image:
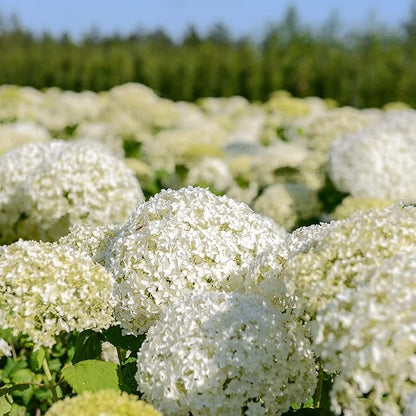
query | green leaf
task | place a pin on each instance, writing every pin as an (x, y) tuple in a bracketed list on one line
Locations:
[(127, 342), (11, 388), (11, 367), (92, 375), (87, 346), (36, 359), (5, 405), (6, 334), (17, 410), (127, 377)]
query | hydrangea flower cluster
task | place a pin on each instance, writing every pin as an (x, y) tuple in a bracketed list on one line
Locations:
[(181, 241), (102, 403), (368, 335), (183, 146), (219, 353), (351, 204), (5, 348), (288, 203), (322, 129), (377, 161), (46, 288), (90, 239), (46, 187), (321, 266), (19, 133), (212, 172)]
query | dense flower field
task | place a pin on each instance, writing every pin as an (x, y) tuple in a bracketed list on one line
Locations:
[(212, 258)]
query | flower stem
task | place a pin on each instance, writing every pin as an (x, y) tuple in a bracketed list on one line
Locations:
[(50, 379), (318, 391)]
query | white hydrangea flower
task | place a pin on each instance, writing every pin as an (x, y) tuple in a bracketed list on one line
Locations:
[(102, 134), (184, 146), (90, 239), (322, 129), (19, 133), (46, 187), (288, 203), (219, 353), (5, 348), (180, 241), (19, 103), (351, 204), (367, 334), (377, 161), (46, 288), (280, 162), (331, 258), (106, 402), (212, 172)]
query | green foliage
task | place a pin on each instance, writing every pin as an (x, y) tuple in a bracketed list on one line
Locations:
[(91, 375), (75, 366), (360, 68)]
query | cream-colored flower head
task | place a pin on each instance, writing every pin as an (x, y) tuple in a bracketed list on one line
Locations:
[(184, 146), (5, 348), (288, 204), (102, 403), (280, 162), (320, 267), (378, 161), (218, 353), (90, 239), (367, 333), (324, 128), (46, 187), (212, 172), (46, 288), (351, 204), (19, 133), (181, 241)]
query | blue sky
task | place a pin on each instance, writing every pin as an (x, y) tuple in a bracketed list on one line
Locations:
[(241, 16)]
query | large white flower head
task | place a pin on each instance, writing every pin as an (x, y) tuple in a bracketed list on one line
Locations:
[(320, 267), (102, 403), (212, 172), (180, 241), (351, 204), (288, 203), (368, 334), (378, 161), (19, 133), (90, 239), (46, 288), (184, 146), (324, 128), (280, 162), (5, 348), (46, 187), (218, 353)]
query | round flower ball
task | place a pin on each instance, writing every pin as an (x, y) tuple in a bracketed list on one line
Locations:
[(378, 161), (324, 259), (367, 334), (47, 187), (288, 204), (46, 289), (90, 239), (217, 353), (102, 403), (180, 241)]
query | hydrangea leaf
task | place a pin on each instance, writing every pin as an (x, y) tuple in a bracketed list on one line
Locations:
[(129, 342), (5, 406), (92, 375)]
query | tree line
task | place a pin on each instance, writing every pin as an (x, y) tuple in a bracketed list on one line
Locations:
[(362, 68)]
